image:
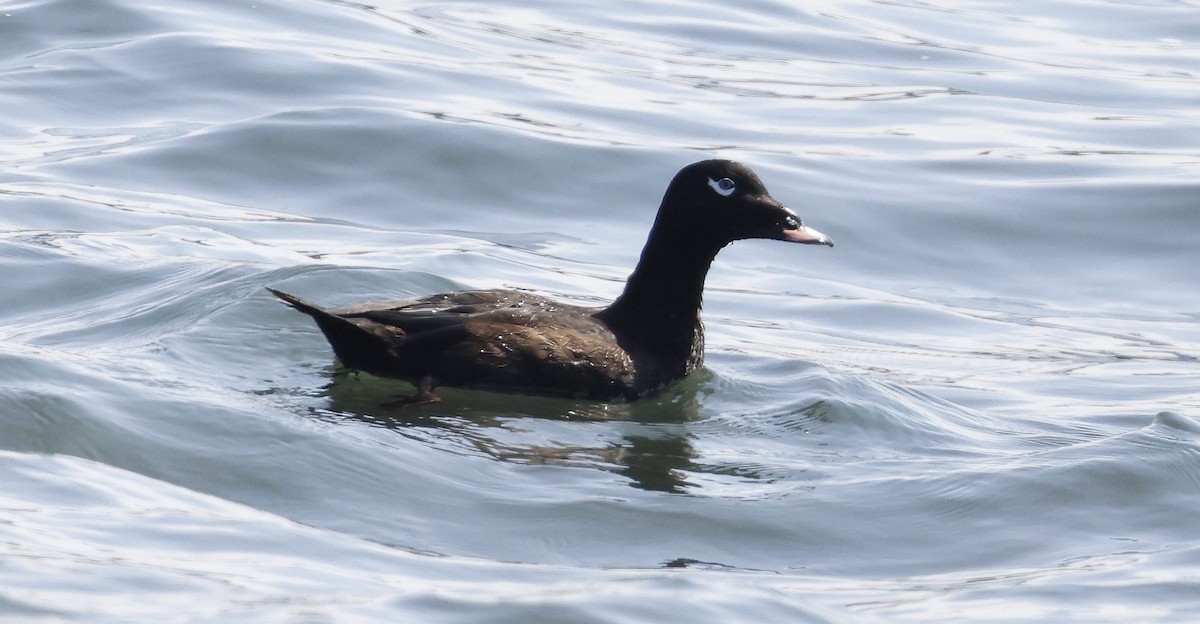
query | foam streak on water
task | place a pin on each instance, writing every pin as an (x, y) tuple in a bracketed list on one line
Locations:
[(981, 405)]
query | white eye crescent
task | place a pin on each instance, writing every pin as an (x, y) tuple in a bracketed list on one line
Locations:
[(724, 187)]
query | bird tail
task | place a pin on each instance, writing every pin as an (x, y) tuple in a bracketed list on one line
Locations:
[(300, 304), (355, 345)]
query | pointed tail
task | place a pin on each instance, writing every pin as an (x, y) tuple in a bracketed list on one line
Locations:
[(357, 346), (299, 304)]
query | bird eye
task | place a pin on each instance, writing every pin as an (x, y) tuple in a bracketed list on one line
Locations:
[(724, 187), (791, 223)]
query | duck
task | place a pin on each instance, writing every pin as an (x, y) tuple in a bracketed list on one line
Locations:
[(518, 342)]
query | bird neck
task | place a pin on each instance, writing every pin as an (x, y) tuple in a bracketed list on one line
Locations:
[(660, 306)]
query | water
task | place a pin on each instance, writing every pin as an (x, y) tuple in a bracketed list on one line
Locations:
[(981, 405)]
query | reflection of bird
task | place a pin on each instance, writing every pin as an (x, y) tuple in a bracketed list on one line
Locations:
[(511, 341)]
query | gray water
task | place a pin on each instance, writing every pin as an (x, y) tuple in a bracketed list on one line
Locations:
[(982, 405)]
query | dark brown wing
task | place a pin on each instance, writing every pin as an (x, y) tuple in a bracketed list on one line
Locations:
[(455, 303), (496, 340)]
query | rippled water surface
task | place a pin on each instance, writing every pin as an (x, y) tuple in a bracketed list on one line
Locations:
[(983, 404)]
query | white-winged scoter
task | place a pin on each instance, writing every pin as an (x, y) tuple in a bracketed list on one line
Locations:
[(510, 341)]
